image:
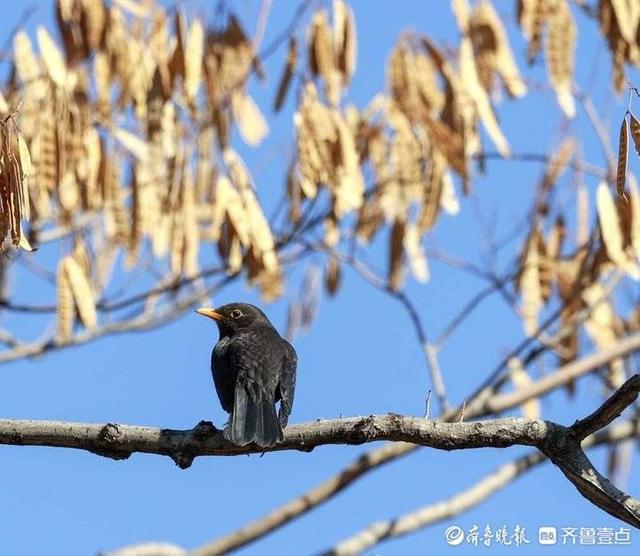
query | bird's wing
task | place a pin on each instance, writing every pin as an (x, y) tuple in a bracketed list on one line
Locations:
[(287, 382), (224, 374), (253, 418)]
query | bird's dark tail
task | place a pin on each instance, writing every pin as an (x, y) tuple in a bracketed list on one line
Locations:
[(252, 420)]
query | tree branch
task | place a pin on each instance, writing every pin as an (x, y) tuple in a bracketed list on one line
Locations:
[(460, 502), (374, 459), (560, 444), (609, 410), (565, 374), (464, 500), (120, 441)]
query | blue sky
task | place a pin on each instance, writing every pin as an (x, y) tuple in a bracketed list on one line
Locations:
[(360, 357)]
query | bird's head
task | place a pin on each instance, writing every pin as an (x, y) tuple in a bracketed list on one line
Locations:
[(234, 317)]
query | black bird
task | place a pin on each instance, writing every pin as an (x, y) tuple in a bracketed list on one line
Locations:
[(253, 368)]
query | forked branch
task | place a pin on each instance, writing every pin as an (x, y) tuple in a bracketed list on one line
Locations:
[(562, 445)]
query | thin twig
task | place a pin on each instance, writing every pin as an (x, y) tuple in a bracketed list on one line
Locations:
[(601, 131), (376, 281), (577, 165), (261, 25)]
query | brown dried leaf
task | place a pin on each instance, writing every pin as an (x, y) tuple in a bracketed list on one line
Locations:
[(556, 240), (370, 220), (449, 200), (52, 57), (635, 132), (530, 284), (450, 144), (251, 123), (27, 65), (24, 242), (634, 201), (262, 245), (488, 35), (349, 189), (82, 292), (415, 254), (92, 19), (558, 163), (462, 13), (193, 59), (470, 78), (332, 276), (532, 15), (65, 308), (321, 61), (4, 107), (322, 56), (412, 79), (189, 221), (26, 169), (331, 232), (344, 40), (80, 254), (623, 157), (601, 322), (560, 56), (432, 192), (396, 253), (15, 164), (613, 29), (627, 14), (228, 204), (176, 63), (612, 233), (603, 327)]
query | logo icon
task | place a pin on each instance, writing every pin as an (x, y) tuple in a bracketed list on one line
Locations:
[(454, 535), (547, 535)]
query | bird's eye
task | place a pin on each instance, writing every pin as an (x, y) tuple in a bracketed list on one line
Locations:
[(236, 313)]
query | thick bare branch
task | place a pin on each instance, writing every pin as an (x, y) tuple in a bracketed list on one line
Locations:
[(372, 460), (560, 444), (119, 441), (464, 500)]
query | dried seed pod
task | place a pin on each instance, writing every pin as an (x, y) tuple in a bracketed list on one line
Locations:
[(396, 254), (561, 45), (332, 276), (623, 157)]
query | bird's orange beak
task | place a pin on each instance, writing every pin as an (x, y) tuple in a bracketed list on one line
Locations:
[(209, 313)]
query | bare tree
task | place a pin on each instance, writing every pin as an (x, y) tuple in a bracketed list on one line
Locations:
[(117, 146)]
